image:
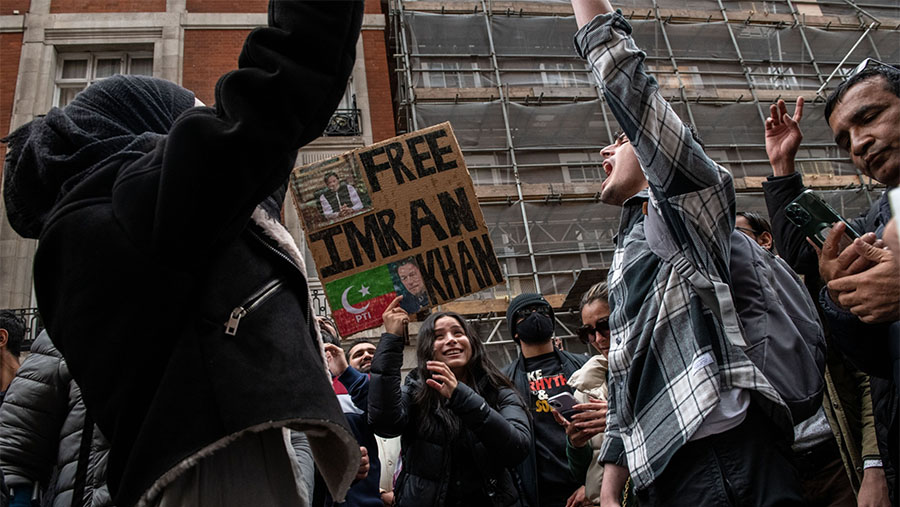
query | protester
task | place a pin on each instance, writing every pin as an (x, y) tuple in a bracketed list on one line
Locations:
[(352, 389), (338, 199), (584, 430), (12, 334), (165, 278), (45, 433), (756, 227), (360, 355), (686, 403), (831, 447), (540, 372), (463, 426), (861, 300)]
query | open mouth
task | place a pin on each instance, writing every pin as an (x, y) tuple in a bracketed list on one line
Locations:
[(450, 354)]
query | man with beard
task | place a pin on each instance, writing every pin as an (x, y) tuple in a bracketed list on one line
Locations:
[(352, 389), (360, 355), (539, 373)]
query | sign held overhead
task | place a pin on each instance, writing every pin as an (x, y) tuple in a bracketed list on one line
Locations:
[(399, 217)]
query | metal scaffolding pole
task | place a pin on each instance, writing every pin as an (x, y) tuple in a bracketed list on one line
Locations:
[(812, 56), (662, 29), (762, 115), (504, 108), (411, 93), (852, 49)]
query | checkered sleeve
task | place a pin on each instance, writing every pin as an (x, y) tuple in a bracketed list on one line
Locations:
[(612, 450), (695, 195)]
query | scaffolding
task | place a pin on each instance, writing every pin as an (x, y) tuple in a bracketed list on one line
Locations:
[(531, 120)]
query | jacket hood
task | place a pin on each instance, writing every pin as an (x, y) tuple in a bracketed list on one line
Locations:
[(48, 156), (591, 378)]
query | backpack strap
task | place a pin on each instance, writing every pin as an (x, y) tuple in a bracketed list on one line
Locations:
[(716, 295), (84, 455)]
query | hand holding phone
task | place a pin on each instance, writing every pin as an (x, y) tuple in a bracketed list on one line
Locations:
[(816, 218), (564, 403)]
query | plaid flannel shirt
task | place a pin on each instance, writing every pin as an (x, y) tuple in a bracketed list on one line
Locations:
[(670, 357)]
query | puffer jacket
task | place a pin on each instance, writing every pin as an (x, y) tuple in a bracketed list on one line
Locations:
[(590, 382), (180, 305), (498, 435), (42, 425)]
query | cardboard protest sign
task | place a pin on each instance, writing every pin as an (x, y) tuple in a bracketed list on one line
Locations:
[(399, 217)]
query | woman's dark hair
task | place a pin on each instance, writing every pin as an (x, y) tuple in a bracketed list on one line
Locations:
[(598, 292), (757, 222), (483, 377)]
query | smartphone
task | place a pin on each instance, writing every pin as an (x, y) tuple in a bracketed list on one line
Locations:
[(816, 218), (563, 403)]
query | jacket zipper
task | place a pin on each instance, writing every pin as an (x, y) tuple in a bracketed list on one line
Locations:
[(292, 263), (252, 303)]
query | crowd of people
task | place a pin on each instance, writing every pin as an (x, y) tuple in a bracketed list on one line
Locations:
[(718, 375)]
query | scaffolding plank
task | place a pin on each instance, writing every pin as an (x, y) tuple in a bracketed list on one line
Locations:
[(481, 306), (745, 16)]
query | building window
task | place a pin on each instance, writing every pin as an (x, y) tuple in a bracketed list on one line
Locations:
[(582, 167), (564, 74), (75, 71), (667, 78)]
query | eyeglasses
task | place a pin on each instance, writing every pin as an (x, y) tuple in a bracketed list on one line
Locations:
[(525, 312), (749, 232), (601, 327), (868, 63)]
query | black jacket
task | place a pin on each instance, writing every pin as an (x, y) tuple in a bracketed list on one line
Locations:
[(498, 434), (146, 253), (515, 370), (873, 348)]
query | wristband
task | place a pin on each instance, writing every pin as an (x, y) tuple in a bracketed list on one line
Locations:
[(872, 463)]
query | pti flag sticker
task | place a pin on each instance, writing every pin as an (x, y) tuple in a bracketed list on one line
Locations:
[(359, 300)]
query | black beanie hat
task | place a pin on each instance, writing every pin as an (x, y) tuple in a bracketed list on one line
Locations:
[(523, 301)]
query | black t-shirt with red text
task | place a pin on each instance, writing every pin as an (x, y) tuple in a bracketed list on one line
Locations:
[(545, 380)]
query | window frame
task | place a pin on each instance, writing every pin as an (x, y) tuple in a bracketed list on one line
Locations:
[(126, 61)]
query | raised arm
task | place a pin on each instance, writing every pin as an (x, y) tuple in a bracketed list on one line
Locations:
[(388, 404), (783, 136), (586, 10), (673, 162), (218, 164), (694, 195)]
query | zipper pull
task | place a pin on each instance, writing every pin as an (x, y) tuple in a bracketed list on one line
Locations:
[(235, 319)]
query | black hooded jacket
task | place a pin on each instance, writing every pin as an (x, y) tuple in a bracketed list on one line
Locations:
[(153, 236), (494, 434)]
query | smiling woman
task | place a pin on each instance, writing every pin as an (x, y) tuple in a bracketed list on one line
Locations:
[(464, 427)]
